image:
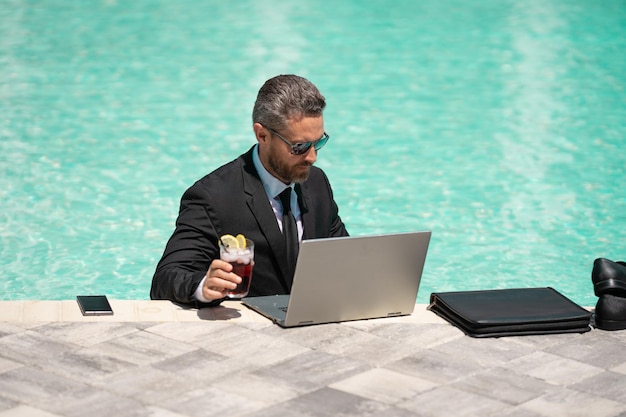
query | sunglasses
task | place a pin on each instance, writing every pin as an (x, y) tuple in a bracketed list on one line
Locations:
[(303, 147)]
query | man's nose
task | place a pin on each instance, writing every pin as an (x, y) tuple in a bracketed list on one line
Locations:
[(311, 155)]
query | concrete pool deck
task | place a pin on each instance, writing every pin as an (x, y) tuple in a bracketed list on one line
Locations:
[(153, 358)]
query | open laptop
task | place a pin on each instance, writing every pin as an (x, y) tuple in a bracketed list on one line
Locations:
[(350, 278)]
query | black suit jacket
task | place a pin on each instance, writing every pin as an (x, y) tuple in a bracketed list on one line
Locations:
[(232, 200)]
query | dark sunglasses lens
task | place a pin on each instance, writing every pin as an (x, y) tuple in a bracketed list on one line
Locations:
[(320, 143), (300, 148)]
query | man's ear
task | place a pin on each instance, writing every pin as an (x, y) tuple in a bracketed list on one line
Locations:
[(262, 135)]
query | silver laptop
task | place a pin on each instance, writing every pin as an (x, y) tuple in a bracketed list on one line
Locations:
[(350, 278)]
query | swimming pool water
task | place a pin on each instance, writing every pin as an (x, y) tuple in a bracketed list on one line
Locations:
[(499, 125)]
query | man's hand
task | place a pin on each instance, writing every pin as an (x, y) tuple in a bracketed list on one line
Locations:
[(219, 280)]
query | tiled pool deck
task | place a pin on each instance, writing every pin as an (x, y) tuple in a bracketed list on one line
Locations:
[(155, 359)]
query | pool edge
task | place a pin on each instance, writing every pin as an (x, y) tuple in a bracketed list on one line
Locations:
[(45, 311)]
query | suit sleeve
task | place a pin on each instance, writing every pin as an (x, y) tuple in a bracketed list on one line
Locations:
[(189, 252), (337, 227)]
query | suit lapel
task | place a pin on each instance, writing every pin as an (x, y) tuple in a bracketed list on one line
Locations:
[(304, 201), (266, 219)]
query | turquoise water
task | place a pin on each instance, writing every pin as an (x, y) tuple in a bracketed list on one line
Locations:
[(499, 125)]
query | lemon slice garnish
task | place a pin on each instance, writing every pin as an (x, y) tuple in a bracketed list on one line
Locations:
[(241, 240), (230, 241)]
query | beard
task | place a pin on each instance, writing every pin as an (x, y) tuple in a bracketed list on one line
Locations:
[(289, 173)]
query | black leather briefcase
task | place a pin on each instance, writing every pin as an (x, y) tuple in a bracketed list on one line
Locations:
[(511, 312)]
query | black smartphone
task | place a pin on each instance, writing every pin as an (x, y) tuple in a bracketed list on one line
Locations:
[(94, 305)]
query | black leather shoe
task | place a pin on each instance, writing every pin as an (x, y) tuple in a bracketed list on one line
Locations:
[(610, 313), (608, 277)]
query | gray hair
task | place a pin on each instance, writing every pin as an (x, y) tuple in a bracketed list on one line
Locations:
[(286, 97)]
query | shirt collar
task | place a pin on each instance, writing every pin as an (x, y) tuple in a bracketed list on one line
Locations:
[(273, 186)]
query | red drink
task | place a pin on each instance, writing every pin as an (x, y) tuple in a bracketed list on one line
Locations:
[(245, 272), (242, 260)]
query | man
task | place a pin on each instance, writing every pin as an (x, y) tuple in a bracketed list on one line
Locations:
[(241, 197)]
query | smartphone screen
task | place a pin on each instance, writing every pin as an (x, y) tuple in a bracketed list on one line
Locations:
[(94, 305)]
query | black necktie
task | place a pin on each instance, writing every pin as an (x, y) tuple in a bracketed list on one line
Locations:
[(290, 232)]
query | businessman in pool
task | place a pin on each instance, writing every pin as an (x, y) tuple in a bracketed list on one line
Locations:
[(242, 197)]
